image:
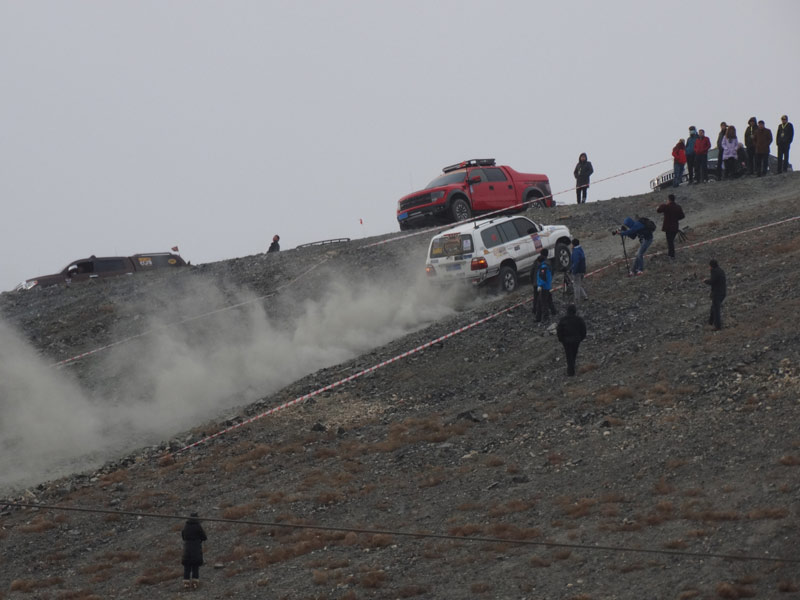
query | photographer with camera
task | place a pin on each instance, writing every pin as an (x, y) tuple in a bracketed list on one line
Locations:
[(642, 228), (542, 279)]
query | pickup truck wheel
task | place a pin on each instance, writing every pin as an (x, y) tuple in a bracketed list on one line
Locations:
[(535, 201), (460, 210), (563, 257), (508, 279)]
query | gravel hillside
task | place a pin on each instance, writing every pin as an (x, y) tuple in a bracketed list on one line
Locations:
[(675, 448)]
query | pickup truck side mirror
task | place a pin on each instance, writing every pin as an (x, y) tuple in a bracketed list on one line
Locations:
[(473, 180)]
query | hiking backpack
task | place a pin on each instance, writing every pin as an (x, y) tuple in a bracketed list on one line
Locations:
[(649, 225)]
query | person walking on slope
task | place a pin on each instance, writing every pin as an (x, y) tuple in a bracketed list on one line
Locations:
[(571, 331), (784, 140), (193, 537), (701, 147), (673, 213), (690, 154), (763, 138), (542, 278), (730, 149), (274, 246), (578, 271), (638, 229), (718, 292), (679, 161), (583, 170)]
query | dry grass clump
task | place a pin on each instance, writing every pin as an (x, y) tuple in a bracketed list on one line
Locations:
[(512, 506), (732, 590), (239, 512), (787, 586), (417, 430), (159, 574), (662, 487), (790, 460), (578, 508), (78, 595), (494, 461), (689, 594), (538, 561), (31, 585), (409, 591), (613, 393), (432, 478), (768, 513), (372, 579), (39, 524), (480, 588)]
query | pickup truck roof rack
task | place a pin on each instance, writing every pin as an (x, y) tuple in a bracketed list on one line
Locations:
[(473, 162)]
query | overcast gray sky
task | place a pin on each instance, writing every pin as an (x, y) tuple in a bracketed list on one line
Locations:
[(134, 126)]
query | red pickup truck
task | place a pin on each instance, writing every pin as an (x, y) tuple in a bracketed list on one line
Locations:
[(105, 266), (471, 187)]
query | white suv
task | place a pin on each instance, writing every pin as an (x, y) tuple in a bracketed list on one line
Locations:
[(501, 248)]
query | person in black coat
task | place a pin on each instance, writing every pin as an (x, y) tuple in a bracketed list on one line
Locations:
[(718, 293), (571, 332), (275, 246), (193, 537), (583, 171)]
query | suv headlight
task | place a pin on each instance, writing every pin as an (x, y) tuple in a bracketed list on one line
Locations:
[(437, 195)]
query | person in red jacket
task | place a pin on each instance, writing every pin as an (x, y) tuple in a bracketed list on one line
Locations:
[(679, 156), (673, 213), (701, 147)]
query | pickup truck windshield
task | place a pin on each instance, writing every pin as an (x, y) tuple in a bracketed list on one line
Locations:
[(447, 179)]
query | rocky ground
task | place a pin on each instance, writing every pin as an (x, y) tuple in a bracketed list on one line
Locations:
[(675, 447)]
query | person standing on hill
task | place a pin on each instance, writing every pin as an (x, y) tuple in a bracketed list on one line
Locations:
[(723, 127), (571, 331), (583, 170), (730, 149), (718, 292), (275, 246), (193, 537), (578, 270), (679, 161), (763, 138), (542, 278), (784, 140), (690, 154), (701, 147), (750, 144), (673, 213)]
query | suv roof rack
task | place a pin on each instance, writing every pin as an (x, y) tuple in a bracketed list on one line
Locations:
[(473, 162)]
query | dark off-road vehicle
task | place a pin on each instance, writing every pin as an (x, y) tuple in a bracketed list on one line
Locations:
[(96, 267)]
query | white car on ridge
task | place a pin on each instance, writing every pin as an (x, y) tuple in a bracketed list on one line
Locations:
[(495, 250)]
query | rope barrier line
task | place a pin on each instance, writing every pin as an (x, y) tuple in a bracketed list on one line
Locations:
[(348, 379), (502, 210), (418, 535), (432, 342), (189, 319)]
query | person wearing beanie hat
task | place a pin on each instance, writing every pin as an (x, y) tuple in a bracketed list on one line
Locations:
[(192, 559), (750, 144), (274, 246)]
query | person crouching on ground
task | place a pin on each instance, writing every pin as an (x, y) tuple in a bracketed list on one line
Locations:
[(673, 213), (193, 537), (718, 292), (637, 229), (571, 331), (542, 278)]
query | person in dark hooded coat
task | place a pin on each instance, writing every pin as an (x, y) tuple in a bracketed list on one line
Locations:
[(718, 292), (571, 332), (193, 537)]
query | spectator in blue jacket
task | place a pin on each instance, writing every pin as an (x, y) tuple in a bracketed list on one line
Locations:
[(637, 229), (578, 271), (542, 276)]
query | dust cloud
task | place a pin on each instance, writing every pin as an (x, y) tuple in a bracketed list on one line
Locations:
[(169, 380)]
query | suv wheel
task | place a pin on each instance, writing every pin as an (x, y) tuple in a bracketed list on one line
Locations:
[(460, 210), (508, 279), (563, 257)]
